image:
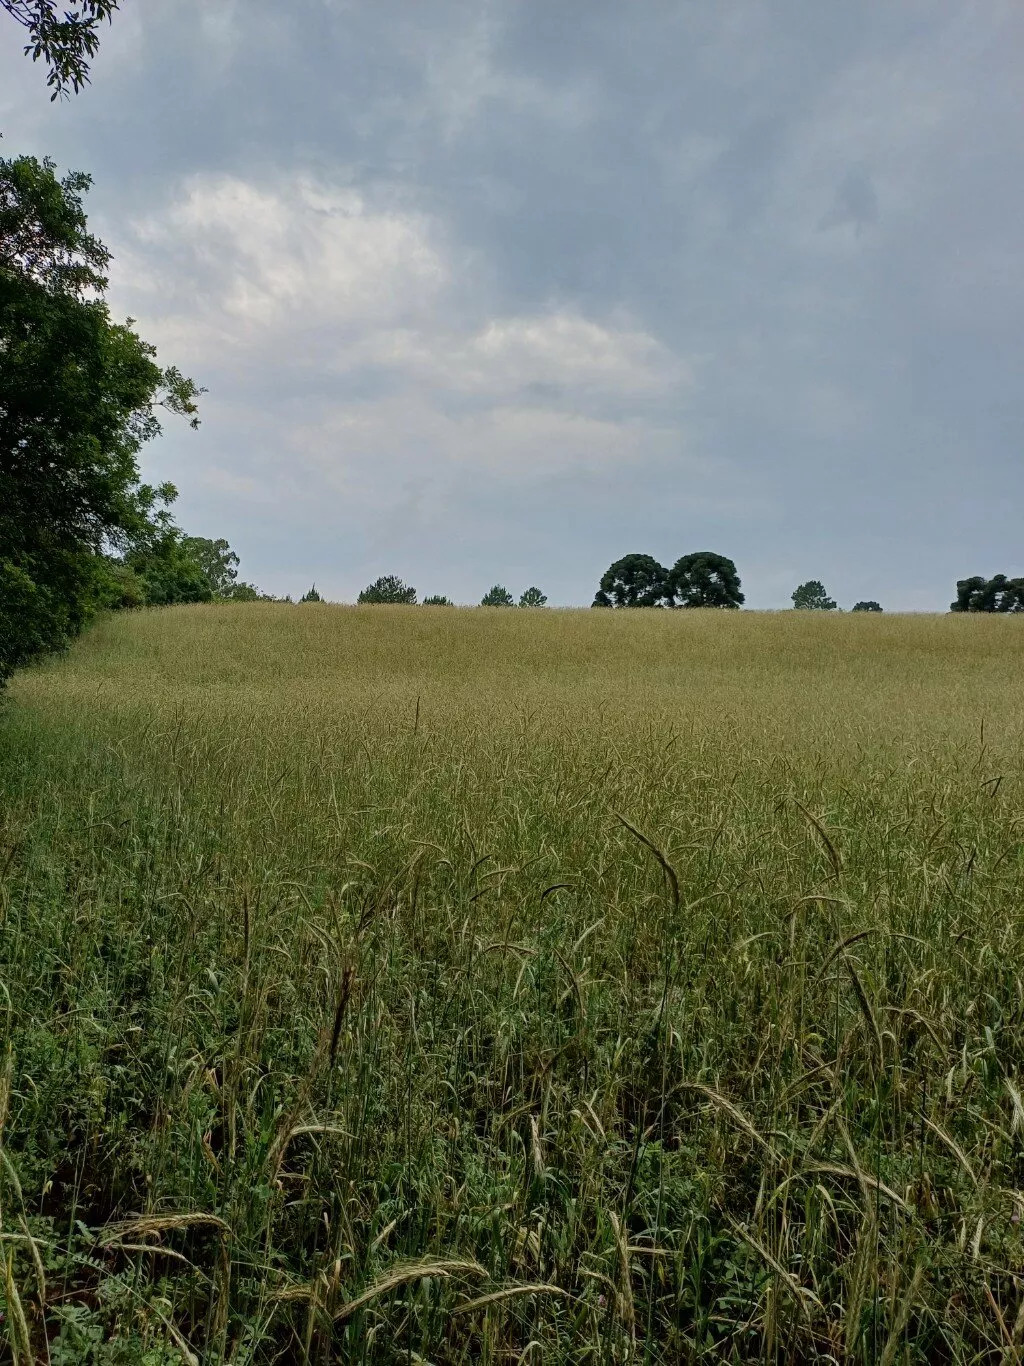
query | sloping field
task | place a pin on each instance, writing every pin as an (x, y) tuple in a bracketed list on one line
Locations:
[(434, 985)]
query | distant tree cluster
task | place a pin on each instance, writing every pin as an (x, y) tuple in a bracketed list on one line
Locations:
[(998, 594), (812, 597), (391, 589), (700, 579), (499, 596)]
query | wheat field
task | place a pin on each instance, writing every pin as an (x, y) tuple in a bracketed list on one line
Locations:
[(446, 985)]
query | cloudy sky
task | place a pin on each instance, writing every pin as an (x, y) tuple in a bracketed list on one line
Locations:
[(500, 290)]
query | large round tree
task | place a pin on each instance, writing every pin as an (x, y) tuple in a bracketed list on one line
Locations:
[(634, 581), (704, 579)]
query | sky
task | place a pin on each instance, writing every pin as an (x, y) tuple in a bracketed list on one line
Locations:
[(498, 291)]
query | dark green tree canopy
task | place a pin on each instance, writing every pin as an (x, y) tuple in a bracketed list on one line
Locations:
[(998, 594), (867, 606), (66, 40), (437, 600), (811, 597), (498, 596), (533, 597), (388, 588), (79, 396), (704, 579), (634, 581), (311, 596)]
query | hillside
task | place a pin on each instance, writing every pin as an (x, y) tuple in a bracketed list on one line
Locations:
[(390, 981)]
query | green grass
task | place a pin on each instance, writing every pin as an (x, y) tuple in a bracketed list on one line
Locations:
[(475, 986)]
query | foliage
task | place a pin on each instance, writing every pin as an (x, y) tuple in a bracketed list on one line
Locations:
[(498, 596), (311, 596), (217, 560), (388, 588), (867, 606), (811, 597), (437, 600), (322, 1022), (998, 594), (240, 591), (634, 581), (66, 40), (532, 597), (78, 399), (704, 579), (169, 570)]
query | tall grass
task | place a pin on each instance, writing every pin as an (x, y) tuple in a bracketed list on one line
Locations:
[(396, 986)]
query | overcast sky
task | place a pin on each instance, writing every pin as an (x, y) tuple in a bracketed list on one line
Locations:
[(500, 290)]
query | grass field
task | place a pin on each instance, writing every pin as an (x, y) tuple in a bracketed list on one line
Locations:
[(407, 985)]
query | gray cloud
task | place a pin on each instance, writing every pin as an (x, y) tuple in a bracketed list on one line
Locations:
[(502, 291)]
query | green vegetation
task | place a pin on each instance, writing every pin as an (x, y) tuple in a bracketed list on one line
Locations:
[(498, 596), (66, 40), (532, 597), (391, 986), (79, 396), (388, 589), (700, 579), (812, 597), (998, 594), (704, 579)]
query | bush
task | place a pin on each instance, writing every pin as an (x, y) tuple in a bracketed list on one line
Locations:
[(437, 600), (869, 606), (533, 597)]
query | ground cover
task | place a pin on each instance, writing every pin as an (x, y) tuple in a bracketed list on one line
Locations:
[(389, 985)]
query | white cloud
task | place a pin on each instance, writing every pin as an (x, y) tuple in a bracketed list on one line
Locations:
[(311, 273), (231, 265)]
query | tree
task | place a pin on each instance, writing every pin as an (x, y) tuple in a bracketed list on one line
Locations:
[(79, 396), (66, 40), (533, 597), (312, 596), (868, 606), (998, 594), (497, 597), (634, 581), (388, 588), (248, 592), (811, 597), (704, 579), (437, 600), (217, 560), (168, 569)]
